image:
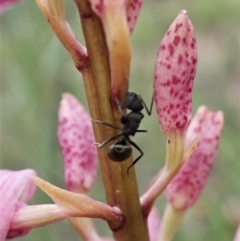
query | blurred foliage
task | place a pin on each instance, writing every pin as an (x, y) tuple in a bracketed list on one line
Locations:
[(36, 70)]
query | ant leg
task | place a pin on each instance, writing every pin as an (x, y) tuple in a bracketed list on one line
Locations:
[(149, 111), (141, 130), (105, 123), (137, 159), (108, 140)]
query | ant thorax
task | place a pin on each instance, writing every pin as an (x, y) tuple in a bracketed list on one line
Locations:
[(131, 122)]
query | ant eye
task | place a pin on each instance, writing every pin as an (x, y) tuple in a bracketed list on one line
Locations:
[(119, 153)]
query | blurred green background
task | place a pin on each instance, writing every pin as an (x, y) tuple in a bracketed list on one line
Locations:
[(36, 70)]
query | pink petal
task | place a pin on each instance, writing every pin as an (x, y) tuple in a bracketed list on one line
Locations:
[(132, 14), (32, 216), (6, 4), (187, 185), (76, 139), (13, 185), (237, 235), (153, 225), (175, 69)]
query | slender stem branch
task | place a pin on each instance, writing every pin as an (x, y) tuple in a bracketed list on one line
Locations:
[(170, 223), (173, 163)]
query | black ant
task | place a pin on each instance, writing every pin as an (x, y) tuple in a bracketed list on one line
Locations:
[(120, 150)]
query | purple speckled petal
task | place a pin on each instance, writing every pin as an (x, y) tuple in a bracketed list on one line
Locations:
[(175, 69), (187, 185), (153, 224), (132, 14), (76, 139), (13, 185)]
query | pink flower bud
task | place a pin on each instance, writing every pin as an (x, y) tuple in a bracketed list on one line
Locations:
[(187, 185), (132, 14), (237, 235), (175, 69), (16, 189), (76, 139), (153, 224)]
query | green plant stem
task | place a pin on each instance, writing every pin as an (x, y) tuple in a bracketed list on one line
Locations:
[(170, 223), (121, 189), (173, 163)]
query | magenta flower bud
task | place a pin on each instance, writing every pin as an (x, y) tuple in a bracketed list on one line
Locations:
[(76, 139), (187, 185), (175, 69)]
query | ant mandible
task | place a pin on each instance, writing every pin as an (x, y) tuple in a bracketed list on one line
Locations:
[(120, 150)]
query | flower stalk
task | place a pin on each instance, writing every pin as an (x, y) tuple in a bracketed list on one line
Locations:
[(118, 185), (79, 205), (54, 12), (172, 219), (35, 216)]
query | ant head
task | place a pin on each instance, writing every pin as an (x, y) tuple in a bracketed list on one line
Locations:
[(133, 102), (119, 151)]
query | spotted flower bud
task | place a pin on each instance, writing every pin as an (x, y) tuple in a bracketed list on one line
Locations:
[(187, 185), (185, 188), (175, 69), (75, 135), (132, 14)]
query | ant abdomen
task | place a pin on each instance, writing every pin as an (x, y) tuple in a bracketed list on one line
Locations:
[(119, 151)]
